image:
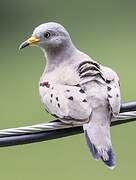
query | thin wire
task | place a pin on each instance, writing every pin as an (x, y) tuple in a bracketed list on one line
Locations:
[(56, 129), (54, 125)]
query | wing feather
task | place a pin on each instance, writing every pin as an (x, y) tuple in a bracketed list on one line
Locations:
[(92, 71)]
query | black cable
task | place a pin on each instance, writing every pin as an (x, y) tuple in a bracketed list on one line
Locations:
[(131, 106), (58, 133)]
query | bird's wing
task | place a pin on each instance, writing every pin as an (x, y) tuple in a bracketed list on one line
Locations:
[(113, 89), (73, 101), (102, 87), (90, 71)]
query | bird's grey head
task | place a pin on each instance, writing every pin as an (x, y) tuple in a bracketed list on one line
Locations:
[(51, 37)]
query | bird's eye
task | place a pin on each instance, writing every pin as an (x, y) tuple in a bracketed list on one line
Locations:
[(47, 35)]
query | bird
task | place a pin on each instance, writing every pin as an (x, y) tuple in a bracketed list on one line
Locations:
[(76, 89)]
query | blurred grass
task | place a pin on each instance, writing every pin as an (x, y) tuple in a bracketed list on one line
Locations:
[(105, 30)]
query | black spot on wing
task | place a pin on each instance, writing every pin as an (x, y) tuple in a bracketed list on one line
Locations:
[(50, 101), (81, 91), (57, 99), (67, 90), (58, 105), (109, 96), (77, 85), (71, 98), (109, 88), (117, 95), (51, 95), (84, 100)]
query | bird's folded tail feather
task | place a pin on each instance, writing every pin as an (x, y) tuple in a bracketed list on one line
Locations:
[(91, 146), (110, 162), (104, 153)]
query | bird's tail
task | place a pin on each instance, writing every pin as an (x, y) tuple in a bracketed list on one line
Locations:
[(99, 143)]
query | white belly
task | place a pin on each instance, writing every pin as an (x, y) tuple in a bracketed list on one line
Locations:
[(51, 98), (65, 101)]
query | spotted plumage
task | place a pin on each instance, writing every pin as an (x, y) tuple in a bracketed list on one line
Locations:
[(109, 96), (81, 91), (71, 98), (77, 85), (84, 100), (109, 88), (77, 89)]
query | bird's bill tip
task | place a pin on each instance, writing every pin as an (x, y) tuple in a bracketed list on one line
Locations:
[(24, 44), (28, 42)]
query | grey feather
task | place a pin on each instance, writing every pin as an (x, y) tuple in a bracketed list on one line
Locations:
[(79, 90)]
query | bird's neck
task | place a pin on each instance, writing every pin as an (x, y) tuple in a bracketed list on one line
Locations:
[(56, 56)]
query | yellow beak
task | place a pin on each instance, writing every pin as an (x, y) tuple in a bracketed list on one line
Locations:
[(33, 40), (30, 41)]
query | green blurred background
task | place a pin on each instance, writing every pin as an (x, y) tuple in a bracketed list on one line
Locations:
[(105, 30)]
